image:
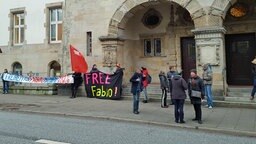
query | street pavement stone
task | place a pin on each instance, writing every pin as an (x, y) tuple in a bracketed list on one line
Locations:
[(237, 120)]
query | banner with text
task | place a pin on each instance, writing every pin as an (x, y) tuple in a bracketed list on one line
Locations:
[(26, 79), (102, 85)]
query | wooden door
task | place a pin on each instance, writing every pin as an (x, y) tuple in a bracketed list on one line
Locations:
[(240, 51), (188, 54)]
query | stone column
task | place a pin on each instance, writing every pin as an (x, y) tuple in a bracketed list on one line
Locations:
[(210, 48)]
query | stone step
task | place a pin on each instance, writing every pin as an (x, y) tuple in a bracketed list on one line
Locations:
[(239, 99), (239, 94), (240, 89), (217, 103)]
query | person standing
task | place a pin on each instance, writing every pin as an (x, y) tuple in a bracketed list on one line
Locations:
[(77, 82), (164, 86), (121, 71), (145, 74), (136, 89), (254, 78), (207, 78), (179, 85), (170, 75), (94, 68), (5, 83), (196, 94)]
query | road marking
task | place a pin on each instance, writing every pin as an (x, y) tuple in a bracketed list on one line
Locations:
[(43, 141)]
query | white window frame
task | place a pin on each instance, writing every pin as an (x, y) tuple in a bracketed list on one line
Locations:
[(19, 26), (56, 22)]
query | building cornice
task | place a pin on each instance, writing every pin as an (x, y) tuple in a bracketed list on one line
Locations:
[(207, 30)]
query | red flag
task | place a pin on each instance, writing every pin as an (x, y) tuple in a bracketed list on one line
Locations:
[(78, 62)]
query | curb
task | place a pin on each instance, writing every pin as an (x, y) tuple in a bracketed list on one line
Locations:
[(179, 126)]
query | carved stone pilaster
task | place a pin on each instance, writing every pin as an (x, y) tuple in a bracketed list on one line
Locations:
[(209, 45), (110, 47)]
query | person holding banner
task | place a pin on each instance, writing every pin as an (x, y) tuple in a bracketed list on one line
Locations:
[(5, 83), (94, 68), (77, 82), (136, 89)]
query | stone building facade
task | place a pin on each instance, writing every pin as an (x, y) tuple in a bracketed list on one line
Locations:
[(159, 33)]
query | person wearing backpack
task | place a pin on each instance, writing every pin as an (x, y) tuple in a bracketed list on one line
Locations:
[(78, 80), (145, 82), (165, 88), (170, 75)]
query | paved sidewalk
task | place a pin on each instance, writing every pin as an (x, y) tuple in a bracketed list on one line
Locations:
[(239, 121)]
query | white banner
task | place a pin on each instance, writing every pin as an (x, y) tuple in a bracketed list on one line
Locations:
[(26, 79)]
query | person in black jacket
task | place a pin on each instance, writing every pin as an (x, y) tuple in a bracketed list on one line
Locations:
[(196, 94), (136, 89), (77, 82), (94, 68), (5, 83), (164, 85)]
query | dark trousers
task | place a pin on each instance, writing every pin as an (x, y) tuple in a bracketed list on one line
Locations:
[(74, 90), (254, 88), (164, 98), (178, 109), (198, 111)]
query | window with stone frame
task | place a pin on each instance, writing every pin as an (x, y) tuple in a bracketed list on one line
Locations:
[(152, 47), (18, 28), (55, 24)]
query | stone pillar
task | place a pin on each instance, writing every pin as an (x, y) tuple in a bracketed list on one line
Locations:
[(112, 49), (210, 48)]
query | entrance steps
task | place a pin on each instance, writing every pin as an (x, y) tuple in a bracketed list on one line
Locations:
[(237, 96)]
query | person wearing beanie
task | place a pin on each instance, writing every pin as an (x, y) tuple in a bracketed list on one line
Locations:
[(94, 68), (254, 78), (196, 94)]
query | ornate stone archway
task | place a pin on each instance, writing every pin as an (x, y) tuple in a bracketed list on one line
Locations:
[(129, 7)]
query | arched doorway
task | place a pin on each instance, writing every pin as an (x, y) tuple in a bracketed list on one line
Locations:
[(54, 69), (240, 41), (152, 34), (17, 70)]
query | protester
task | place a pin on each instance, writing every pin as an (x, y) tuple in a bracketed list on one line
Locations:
[(254, 78), (196, 94), (170, 75), (77, 82), (145, 82), (5, 83), (207, 78), (94, 68), (136, 89), (119, 70), (179, 86), (164, 87)]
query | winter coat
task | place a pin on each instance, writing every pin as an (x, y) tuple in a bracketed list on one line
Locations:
[(144, 77), (179, 85), (78, 80), (197, 85), (94, 70), (163, 81), (2, 77), (254, 71), (137, 86), (207, 74)]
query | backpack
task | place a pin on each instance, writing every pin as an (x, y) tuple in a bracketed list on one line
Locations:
[(149, 78)]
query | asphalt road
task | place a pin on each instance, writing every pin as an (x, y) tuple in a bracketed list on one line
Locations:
[(18, 128)]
